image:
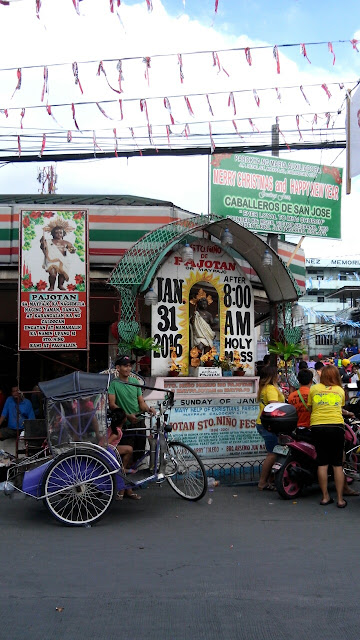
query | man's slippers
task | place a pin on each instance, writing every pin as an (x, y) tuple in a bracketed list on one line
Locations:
[(268, 487)]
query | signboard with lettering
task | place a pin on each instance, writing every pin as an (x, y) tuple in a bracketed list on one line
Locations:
[(207, 299), (53, 280), (272, 195), (333, 262)]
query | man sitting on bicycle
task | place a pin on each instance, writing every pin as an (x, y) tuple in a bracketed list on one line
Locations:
[(129, 398)]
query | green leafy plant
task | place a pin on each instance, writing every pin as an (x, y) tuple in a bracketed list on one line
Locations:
[(286, 351), (144, 344)]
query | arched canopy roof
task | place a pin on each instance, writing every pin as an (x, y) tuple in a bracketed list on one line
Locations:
[(137, 268)]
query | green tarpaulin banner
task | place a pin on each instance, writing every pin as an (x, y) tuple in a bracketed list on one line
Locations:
[(271, 195)]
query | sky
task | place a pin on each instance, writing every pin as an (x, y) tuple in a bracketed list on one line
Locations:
[(175, 26)]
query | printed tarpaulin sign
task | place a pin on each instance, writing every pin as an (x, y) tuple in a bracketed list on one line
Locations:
[(53, 280), (272, 195)]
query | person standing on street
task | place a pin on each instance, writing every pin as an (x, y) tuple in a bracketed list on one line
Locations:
[(125, 393), (269, 391), (16, 409)]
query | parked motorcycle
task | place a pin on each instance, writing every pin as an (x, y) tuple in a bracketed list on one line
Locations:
[(296, 466)]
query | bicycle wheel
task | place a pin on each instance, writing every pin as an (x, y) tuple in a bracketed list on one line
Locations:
[(82, 487), (185, 472)]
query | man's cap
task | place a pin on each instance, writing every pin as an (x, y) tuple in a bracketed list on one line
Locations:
[(121, 360)]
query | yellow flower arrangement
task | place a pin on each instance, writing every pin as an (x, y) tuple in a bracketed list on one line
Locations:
[(174, 366)]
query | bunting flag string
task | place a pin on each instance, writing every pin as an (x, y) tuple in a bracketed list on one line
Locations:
[(187, 101), (303, 51), (330, 47), (75, 71), (102, 70), (19, 80), (323, 86), (167, 106), (276, 56), (354, 44), (231, 102), (45, 89), (147, 62), (298, 127), (116, 144), (209, 105)]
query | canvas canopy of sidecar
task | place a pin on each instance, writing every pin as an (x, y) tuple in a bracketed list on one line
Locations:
[(75, 409)]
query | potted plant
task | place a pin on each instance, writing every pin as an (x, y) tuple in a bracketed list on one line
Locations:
[(208, 358), (239, 367), (140, 346), (226, 366), (288, 351)]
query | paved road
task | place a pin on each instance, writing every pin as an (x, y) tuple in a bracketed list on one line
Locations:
[(247, 566)]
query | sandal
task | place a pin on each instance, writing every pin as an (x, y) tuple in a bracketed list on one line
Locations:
[(351, 492), (119, 496), (132, 496), (268, 487)]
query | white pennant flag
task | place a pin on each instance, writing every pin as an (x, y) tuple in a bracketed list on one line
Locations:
[(354, 136)]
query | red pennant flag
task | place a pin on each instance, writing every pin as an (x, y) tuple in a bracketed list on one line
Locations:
[(256, 97), (147, 62), (304, 96), (186, 131), (209, 105), (354, 44), (254, 127), (180, 63), (116, 144), (96, 146), (112, 6), (43, 145), (314, 121), (168, 107), (75, 71), (69, 136), (19, 145), (48, 109), (231, 102), (277, 122), (327, 119), (121, 110), (143, 107), (149, 5), (212, 143), (298, 126), (323, 86), (45, 88), (121, 77), (18, 86), (133, 137), (76, 5), (278, 94), (150, 133), (5, 112), (38, 7), (216, 61), (187, 101), (330, 47), (236, 129), (22, 114), (216, 5), (74, 116), (276, 56), (303, 51), (248, 56)]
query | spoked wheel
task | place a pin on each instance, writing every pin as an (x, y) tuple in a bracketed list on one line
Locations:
[(286, 482), (185, 472), (81, 486)]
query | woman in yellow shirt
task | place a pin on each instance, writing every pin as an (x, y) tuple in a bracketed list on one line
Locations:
[(269, 391), (326, 400)]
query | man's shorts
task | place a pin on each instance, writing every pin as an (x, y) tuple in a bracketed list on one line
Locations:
[(329, 444), (7, 433)]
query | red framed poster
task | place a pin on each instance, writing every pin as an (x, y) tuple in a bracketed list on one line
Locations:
[(53, 280)]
